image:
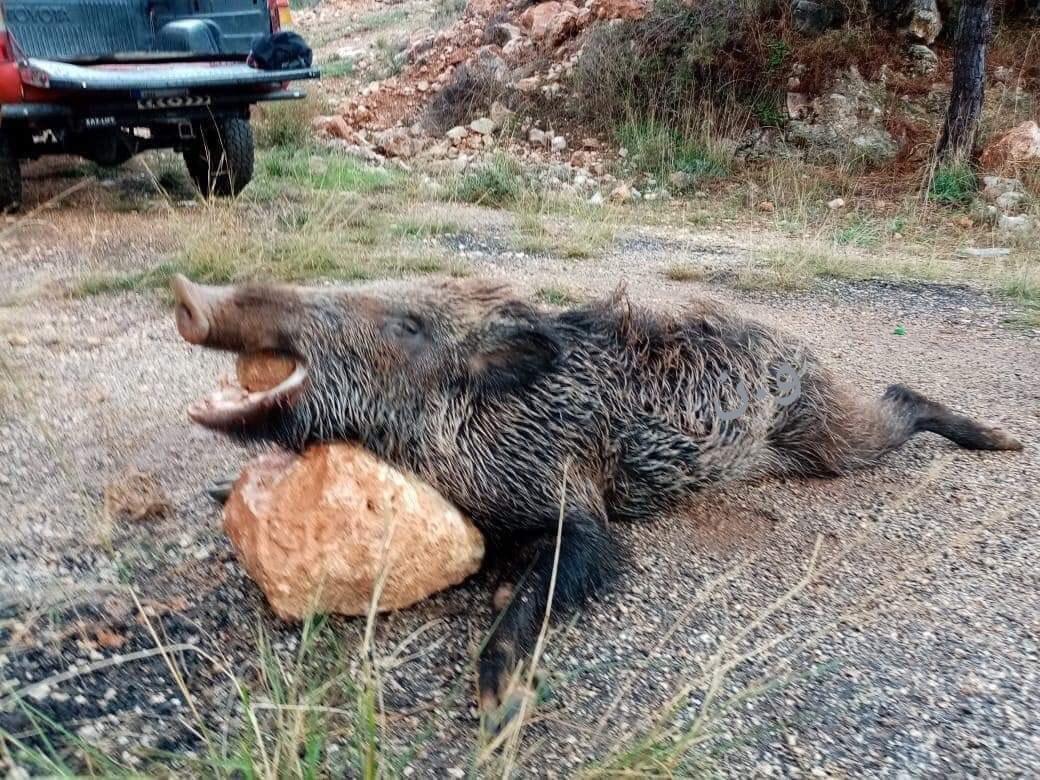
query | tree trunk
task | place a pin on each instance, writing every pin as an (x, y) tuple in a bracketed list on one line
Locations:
[(974, 28)]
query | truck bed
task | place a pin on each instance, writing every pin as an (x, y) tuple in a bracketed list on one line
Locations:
[(107, 30)]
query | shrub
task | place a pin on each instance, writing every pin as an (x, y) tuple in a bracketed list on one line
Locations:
[(673, 59), (473, 88), (953, 184), (285, 124), (497, 183)]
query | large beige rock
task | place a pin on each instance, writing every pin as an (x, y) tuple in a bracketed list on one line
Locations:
[(1019, 146), (619, 9), (550, 22), (319, 531)]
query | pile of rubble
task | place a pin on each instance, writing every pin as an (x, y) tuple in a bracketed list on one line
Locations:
[(514, 53)]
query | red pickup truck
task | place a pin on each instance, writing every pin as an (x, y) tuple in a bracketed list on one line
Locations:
[(106, 79)]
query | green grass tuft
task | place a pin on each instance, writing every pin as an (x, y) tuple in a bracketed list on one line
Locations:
[(498, 183), (337, 69), (555, 296), (324, 171), (953, 185), (659, 150), (285, 124)]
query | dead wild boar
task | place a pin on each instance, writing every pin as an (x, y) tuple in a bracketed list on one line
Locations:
[(615, 411)]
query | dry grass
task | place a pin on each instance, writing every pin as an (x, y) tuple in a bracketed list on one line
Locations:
[(687, 272), (286, 123), (794, 265), (571, 233)]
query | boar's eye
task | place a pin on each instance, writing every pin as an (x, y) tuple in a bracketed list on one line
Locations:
[(405, 329)]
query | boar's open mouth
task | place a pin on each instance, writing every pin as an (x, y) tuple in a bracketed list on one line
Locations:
[(265, 380), (263, 383)]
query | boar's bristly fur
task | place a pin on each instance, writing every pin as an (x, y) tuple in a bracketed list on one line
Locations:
[(604, 412)]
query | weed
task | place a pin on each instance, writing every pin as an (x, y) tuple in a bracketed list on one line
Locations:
[(861, 233), (324, 171), (778, 54), (380, 20), (416, 226), (446, 12), (337, 69), (469, 94), (953, 184), (285, 124), (389, 58), (659, 150), (555, 296), (337, 238), (575, 232), (686, 272), (499, 182)]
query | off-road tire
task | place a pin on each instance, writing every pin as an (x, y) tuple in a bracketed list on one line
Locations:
[(10, 177), (220, 159)]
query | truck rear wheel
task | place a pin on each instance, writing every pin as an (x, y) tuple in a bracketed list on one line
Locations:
[(220, 158), (10, 177)]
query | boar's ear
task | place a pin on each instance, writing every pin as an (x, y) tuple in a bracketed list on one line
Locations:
[(511, 351)]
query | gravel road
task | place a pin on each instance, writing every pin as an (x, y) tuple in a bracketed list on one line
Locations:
[(882, 625)]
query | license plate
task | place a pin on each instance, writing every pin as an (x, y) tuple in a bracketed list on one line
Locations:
[(284, 17)]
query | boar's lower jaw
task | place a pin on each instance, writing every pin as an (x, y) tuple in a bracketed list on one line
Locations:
[(232, 407)]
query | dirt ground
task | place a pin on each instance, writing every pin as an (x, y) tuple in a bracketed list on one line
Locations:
[(906, 645)]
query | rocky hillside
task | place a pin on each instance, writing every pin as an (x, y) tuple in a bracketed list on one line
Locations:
[(578, 86)]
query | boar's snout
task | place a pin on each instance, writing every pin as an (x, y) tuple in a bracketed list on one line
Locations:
[(196, 306)]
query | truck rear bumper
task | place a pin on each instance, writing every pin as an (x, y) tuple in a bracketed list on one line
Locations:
[(140, 80)]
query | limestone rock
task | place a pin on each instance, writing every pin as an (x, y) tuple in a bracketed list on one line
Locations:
[(813, 18), (395, 142), (318, 532), (925, 61), (847, 126), (619, 9), (623, 194), (334, 125), (925, 22), (1019, 146), (457, 133), (483, 126), (550, 22), (799, 106), (1021, 225), (503, 33), (995, 186), (529, 84), (1010, 201), (500, 115)]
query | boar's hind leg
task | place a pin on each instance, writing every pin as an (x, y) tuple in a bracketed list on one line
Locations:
[(586, 562)]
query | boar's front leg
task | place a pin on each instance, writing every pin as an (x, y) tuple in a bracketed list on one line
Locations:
[(586, 561)]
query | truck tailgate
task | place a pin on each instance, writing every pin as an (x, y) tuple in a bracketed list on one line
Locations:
[(136, 79)]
